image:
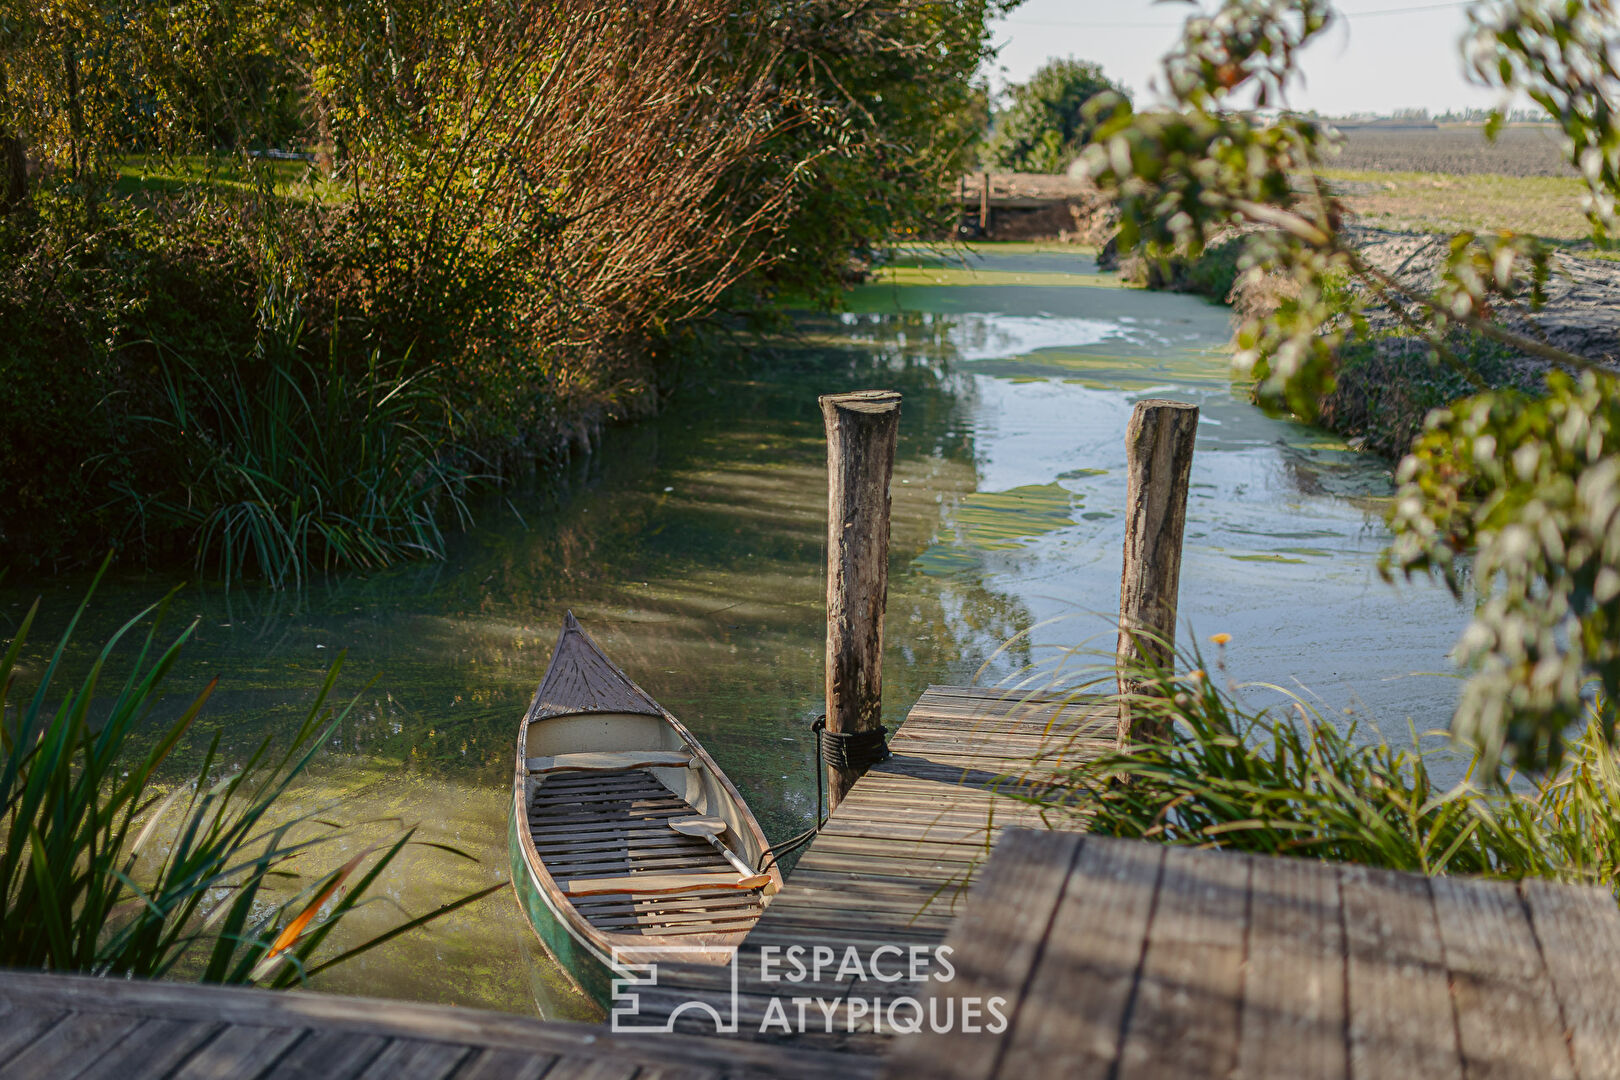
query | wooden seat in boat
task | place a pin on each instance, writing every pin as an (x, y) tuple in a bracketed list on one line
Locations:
[(610, 761), (648, 884)]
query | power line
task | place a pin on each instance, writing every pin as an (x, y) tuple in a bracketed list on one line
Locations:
[(1177, 26)]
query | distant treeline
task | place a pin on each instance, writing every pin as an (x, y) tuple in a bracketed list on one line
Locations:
[(282, 280)]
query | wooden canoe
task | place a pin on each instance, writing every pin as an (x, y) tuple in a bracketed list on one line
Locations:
[(602, 772)]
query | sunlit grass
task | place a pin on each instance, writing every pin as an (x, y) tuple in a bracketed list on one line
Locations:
[(164, 174), (1546, 206), (899, 274)]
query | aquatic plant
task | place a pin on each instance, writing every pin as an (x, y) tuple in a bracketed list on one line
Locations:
[(103, 871), (1285, 780), (297, 464)]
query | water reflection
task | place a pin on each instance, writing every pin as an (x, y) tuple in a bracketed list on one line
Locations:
[(692, 547)]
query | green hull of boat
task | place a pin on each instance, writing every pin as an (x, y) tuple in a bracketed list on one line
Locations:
[(592, 976)]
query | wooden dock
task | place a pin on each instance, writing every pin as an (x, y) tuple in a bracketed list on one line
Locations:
[(1112, 959), (1138, 961), (72, 1027), (894, 862)]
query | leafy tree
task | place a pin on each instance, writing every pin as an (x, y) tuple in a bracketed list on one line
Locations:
[(1529, 486), (1046, 124)]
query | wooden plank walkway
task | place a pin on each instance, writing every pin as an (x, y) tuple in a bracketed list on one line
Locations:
[(71, 1027), (893, 863), (1125, 959)]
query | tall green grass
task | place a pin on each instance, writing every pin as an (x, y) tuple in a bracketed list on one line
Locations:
[(291, 464), (1284, 780), (102, 871)]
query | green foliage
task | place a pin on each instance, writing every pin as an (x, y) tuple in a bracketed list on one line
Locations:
[(1050, 118), (894, 114), (83, 304), (1212, 272), (513, 221), (1385, 385), (100, 872), (1287, 781), (308, 465), (1187, 174), (1532, 486)]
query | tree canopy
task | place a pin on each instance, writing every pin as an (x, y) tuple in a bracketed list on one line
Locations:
[(1046, 123)]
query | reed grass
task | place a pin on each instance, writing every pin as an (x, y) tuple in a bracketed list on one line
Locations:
[(1283, 780), (103, 872), (293, 464)]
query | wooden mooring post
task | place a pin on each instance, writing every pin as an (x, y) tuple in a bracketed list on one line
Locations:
[(862, 428), (1159, 451)]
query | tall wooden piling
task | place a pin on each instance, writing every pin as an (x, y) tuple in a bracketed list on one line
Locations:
[(1159, 450), (984, 205), (862, 428)]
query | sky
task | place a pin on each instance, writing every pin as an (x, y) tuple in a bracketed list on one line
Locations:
[(1383, 55)]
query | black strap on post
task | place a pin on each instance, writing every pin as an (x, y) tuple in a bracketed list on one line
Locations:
[(856, 750)]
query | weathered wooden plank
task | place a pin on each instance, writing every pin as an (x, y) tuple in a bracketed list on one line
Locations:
[(590, 1068), (68, 1047), (153, 1049), (238, 1050), (1578, 929), (22, 1021), (992, 954), (416, 1059), (676, 1072), (328, 1055), (647, 883), (172, 1032), (1508, 1022), (1071, 1019), (505, 1065), (1293, 1018), (1401, 1018), (1184, 1018)]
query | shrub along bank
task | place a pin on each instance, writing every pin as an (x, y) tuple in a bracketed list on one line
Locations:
[(518, 222), (1386, 380)]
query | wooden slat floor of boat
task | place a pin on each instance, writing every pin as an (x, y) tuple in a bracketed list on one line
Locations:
[(893, 864), (613, 822)]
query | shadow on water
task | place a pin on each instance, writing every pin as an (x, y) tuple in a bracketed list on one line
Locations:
[(692, 547)]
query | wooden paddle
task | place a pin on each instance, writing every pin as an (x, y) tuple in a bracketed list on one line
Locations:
[(712, 829)]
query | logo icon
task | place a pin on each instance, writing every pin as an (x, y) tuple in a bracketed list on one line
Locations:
[(634, 977)]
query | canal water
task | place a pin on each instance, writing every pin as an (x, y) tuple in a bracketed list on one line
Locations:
[(691, 546)]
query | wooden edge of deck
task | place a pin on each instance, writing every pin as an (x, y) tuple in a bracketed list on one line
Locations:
[(410, 1020)]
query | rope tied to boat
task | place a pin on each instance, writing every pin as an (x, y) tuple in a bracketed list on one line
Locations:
[(858, 750)]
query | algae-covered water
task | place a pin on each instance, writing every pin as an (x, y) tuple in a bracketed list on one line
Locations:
[(691, 547)]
